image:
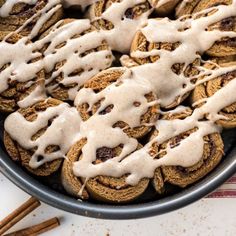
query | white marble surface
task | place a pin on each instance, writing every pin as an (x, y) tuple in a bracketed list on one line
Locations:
[(216, 217)]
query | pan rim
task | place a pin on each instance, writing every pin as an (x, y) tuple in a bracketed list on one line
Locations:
[(189, 195)]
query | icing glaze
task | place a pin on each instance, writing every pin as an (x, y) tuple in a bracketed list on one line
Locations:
[(131, 87)]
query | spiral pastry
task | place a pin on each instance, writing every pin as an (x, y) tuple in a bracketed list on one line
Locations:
[(208, 89), (121, 27), (72, 64), (23, 155), (102, 81), (47, 11), (140, 43), (184, 176), (224, 47), (101, 188), (16, 92)]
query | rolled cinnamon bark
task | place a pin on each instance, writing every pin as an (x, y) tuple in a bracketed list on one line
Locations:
[(101, 188), (181, 176), (209, 88), (22, 155), (15, 91), (140, 43), (59, 86), (103, 80), (224, 47), (21, 12)]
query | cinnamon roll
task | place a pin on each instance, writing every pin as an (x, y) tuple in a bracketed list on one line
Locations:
[(77, 56), (101, 82), (120, 20), (224, 47), (18, 92), (29, 17), (101, 188), (227, 115), (37, 143), (184, 176), (141, 44)]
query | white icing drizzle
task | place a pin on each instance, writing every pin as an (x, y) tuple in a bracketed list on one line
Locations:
[(167, 86), (165, 30), (38, 94), (130, 88), (81, 3), (8, 5), (63, 132), (121, 36), (91, 63), (140, 164), (43, 15), (19, 68)]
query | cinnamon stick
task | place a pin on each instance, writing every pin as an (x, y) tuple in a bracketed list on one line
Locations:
[(18, 214), (37, 229)]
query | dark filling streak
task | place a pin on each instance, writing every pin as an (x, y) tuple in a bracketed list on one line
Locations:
[(227, 24), (104, 153), (107, 110)]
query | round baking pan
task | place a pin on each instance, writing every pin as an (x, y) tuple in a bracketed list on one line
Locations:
[(49, 192)]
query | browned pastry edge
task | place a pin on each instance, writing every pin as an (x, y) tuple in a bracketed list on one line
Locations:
[(167, 8), (70, 182)]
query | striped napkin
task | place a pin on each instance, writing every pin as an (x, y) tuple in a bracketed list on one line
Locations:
[(227, 190)]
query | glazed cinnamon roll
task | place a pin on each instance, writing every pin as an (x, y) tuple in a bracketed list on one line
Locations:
[(224, 47), (205, 90), (120, 20), (78, 56), (18, 92), (101, 82), (141, 44), (184, 176), (29, 17), (37, 143), (101, 188)]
